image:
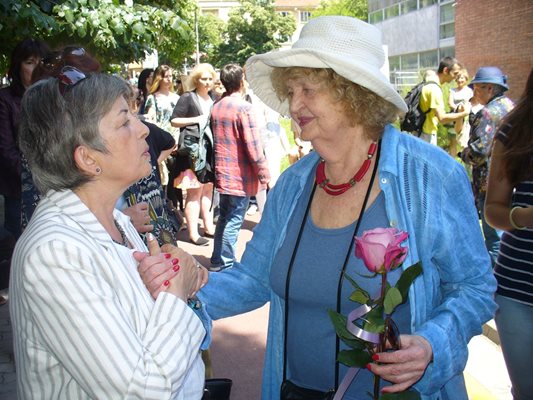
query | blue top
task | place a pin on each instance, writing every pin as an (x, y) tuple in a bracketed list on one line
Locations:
[(428, 195), (311, 337), (514, 266)]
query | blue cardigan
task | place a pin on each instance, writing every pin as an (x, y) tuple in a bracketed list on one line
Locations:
[(428, 195)]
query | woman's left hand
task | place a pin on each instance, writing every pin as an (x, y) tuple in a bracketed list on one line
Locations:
[(403, 367)]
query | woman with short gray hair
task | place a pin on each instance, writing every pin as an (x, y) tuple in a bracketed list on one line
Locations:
[(85, 324)]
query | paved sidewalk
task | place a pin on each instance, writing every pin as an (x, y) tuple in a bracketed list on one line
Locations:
[(239, 343)]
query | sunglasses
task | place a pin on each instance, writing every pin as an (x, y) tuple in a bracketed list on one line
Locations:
[(392, 334), (53, 59), (68, 78)]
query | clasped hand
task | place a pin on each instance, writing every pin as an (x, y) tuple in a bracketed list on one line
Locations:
[(170, 269), (403, 367)]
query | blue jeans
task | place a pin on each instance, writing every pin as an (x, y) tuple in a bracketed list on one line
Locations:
[(232, 211), (514, 321), (492, 236)]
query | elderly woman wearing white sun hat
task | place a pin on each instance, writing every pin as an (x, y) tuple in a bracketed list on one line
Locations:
[(363, 174)]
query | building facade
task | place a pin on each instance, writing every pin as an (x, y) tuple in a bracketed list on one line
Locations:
[(418, 33)]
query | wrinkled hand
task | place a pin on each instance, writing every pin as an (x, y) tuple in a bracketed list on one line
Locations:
[(403, 367), (155, 267), (140, 217)]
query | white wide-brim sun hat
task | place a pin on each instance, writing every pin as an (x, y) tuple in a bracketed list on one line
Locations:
[(350, 47)]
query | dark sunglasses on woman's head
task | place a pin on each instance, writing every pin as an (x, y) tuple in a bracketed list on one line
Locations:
[(69, 77), (54, 58)]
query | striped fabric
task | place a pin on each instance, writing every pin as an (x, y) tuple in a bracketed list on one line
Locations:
[(84, 325), (514, 267)]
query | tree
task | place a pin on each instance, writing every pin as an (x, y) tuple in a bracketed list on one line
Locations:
[(210, 33), (254, 27), (350, 8), (113, 30)]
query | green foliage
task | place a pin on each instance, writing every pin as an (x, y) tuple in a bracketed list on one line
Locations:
[(354, 358), (210, 32), (393, 298), (351, 8), (114, 31), (374, 321), (408, 276), (253, 28)]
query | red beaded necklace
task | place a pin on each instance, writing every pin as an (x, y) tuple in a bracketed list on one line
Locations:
[(337, 190)]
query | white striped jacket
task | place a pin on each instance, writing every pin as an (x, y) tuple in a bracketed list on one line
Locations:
[(84, 324)]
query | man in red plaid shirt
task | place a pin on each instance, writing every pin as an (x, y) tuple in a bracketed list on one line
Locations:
[(240, 165)]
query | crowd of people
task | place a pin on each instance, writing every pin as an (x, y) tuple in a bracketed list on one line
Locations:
[(98, 173)]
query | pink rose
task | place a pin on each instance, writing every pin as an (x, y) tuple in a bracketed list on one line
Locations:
[(380, 249)]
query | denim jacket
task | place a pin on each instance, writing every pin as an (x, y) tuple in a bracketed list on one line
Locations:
[(428, 195)]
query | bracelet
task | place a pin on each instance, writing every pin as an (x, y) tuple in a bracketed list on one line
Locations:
[(511, 220)]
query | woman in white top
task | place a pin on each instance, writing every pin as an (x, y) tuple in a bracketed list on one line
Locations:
[(159, 105), (85, 325), (458, 97), (162, 98)]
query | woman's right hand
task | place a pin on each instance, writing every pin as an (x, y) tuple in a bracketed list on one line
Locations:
[(172, 270)]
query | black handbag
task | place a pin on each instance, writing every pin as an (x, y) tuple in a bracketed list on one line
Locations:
[(290, 391), (196, 144), (217, 389)]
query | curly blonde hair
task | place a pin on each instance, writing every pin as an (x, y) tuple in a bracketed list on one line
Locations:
[(362, 106)]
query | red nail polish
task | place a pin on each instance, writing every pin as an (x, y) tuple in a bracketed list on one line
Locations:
[(369, 367), (176, 268), (168, 255), (175, 261), (166, 283), (375, 357)]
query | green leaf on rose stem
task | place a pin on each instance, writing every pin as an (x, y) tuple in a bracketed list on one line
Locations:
[(359, 296), (407, 278), (374, 320), (339, 323), (393, 298), (410, 395), (354, 358), (351, 280)]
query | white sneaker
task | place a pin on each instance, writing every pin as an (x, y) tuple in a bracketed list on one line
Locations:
[(252, 210)]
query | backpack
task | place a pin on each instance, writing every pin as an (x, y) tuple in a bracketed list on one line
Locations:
[(414, 117)]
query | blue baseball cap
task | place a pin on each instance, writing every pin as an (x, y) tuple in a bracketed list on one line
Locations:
[(490, 75)]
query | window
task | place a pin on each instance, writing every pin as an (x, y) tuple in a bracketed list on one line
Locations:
[(447, 13), (376, 16), (284, 13), (392, 11), (410, 62), (429, 59), (305, 16), (426, 3), (447, 31), (447, 52), (408, 6), (394, 63)]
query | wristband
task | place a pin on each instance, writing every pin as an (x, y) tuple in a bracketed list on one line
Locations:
[(511, 220)]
